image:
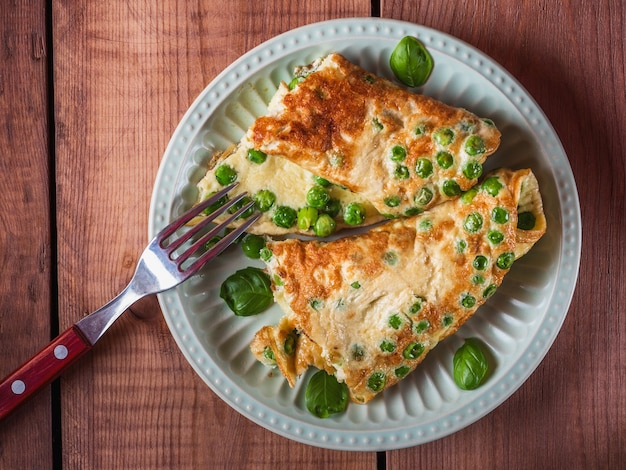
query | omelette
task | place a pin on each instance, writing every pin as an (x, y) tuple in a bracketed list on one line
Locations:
[(341, 141), (368, 308)]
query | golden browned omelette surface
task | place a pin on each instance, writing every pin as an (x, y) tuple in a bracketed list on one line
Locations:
[(385, 150), (368, 308), (375, 138)]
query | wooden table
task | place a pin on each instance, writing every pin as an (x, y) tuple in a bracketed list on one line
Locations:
[(90, 93)]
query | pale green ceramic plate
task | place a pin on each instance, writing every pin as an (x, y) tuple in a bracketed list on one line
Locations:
[(519, 324)]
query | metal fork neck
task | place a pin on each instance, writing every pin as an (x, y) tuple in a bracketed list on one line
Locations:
[(97, 323)]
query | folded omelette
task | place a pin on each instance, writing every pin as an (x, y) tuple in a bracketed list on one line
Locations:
[(368, 308), (352, 145)]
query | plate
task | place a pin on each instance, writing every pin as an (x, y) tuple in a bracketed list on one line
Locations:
[(518, 324)]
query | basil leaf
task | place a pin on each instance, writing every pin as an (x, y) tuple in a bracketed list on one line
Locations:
[(247, 291), (410, 62), (325, 395), (470, 365)]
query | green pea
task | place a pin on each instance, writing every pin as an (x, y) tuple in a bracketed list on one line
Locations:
[(317, 197), (225, 174), (473, 222), (269, 354), (402, 371), (265, 254), (376, 382), (489, 291), (295, 82), (278, 280), (387, 346), (495, 236), (395, 321), (307, 216), (212, 242), (354, 213), (357, 352), (500, 215), (252, 245), (505, 260), (285, 216), (423, 167), (401, 172), (377, 125), (420, 129), (216, 205), (356, 285), (392, 201), (264, 200), (256, 156), (412, 211), (238, 205), (332, 208), (316, 304), (443, 136), (468, 300), (323, 182), (421, 326), (461, 245), (492, 185), (324, 226), (448, 319), (480, 262), (477, 279), (489, 122), (451, 188), (390, 258), (369, 79), (475, 145), (425, 225), (290, 344), (398, 153), (473, 170), (423, 197), (413, 351), (417, 305), (467, 126), (526, 221), (469, 195), (445, 160)]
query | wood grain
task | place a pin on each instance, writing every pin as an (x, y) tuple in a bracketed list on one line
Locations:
[(570, 57), (125, 72), (24, 223)]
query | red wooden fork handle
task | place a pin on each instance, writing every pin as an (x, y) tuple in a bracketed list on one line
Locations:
[(42, 369)]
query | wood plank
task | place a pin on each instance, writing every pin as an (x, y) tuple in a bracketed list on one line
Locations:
[(24, 224), (125, 72), (570, 413)]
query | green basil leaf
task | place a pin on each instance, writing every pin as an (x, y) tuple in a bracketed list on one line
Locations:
[(325, 395), (247, 291), (410, 62), (470, 365)]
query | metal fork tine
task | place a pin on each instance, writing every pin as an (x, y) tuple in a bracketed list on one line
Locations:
[(211, 233), (222, 244), (194, 211), (198, 227)]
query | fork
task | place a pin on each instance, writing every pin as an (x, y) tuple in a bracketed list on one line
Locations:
[(167, 261)]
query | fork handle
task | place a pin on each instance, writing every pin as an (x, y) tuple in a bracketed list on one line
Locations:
[(41, 369)]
